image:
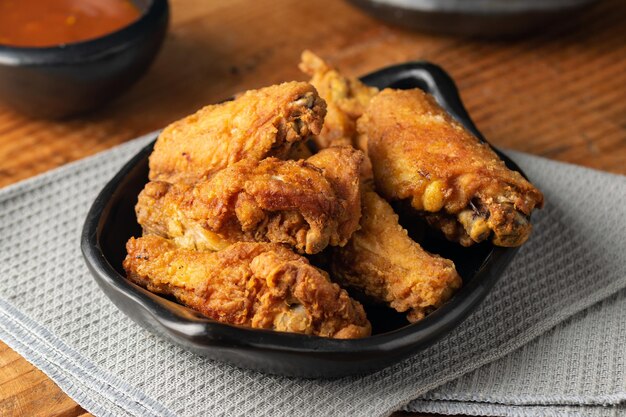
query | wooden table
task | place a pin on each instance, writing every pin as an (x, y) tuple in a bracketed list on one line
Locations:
[(560, 94)]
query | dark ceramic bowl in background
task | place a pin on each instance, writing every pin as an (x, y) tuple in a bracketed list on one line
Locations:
[(65, 80), (489, 18), (111, 222)]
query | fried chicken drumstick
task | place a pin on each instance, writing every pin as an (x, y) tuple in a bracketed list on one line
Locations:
[(258, 124), (346, 100), (259, 285), (384, 263), (421, 154), (306, 204)]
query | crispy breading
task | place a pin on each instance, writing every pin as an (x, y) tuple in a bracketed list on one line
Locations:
[(258, 124), (346, 100), (259, 285), (163, 209), (305, 204), (384, 263), (342, 166), (299, 151), (421, 154)]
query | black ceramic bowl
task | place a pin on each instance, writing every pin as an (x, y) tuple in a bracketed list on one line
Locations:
[(111, 222), (68, 79)]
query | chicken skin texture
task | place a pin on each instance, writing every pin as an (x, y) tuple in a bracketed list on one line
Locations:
[(258, 285), (342, 166), (346, 99), (257, 124), (421, 154), (307, 205), (385, 264)]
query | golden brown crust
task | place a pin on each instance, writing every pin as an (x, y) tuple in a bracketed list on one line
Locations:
[(383, 262), (341, 165), (421, 154), (346, 100), (259, 285), (299, 151), (307, 205), (162, 209), (259, 123), (234, 185)]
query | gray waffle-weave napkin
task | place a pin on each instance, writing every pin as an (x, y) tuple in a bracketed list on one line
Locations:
[(52, 313)]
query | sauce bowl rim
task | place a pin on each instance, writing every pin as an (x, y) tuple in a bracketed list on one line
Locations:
[(89, 49)]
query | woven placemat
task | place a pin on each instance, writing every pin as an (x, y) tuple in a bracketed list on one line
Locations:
[(53, 313)]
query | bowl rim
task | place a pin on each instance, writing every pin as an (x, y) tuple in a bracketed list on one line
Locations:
[(481, 7), (89, 49), (183, 322)]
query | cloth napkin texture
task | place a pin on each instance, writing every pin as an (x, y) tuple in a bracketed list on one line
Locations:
[(549, 340)]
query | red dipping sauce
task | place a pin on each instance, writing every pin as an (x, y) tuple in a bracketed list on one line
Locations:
[(38, 23)]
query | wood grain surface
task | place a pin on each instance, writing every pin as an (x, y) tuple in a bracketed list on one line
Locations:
[(559, 94)]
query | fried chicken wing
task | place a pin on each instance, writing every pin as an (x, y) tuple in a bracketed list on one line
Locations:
[(259, 285), (341, 165), (346, 100), (299, 151), (421, 154), (305, 204), (258, 124), (384, 263)]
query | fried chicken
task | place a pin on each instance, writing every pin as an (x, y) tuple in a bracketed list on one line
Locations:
[(258, 285), (421, 154), (304, 204), (299, 151), (346, 100), (385, 264), (258, 124), (341, 165)]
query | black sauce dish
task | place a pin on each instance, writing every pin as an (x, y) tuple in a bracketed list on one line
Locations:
[(111, 222), (69, 79)]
